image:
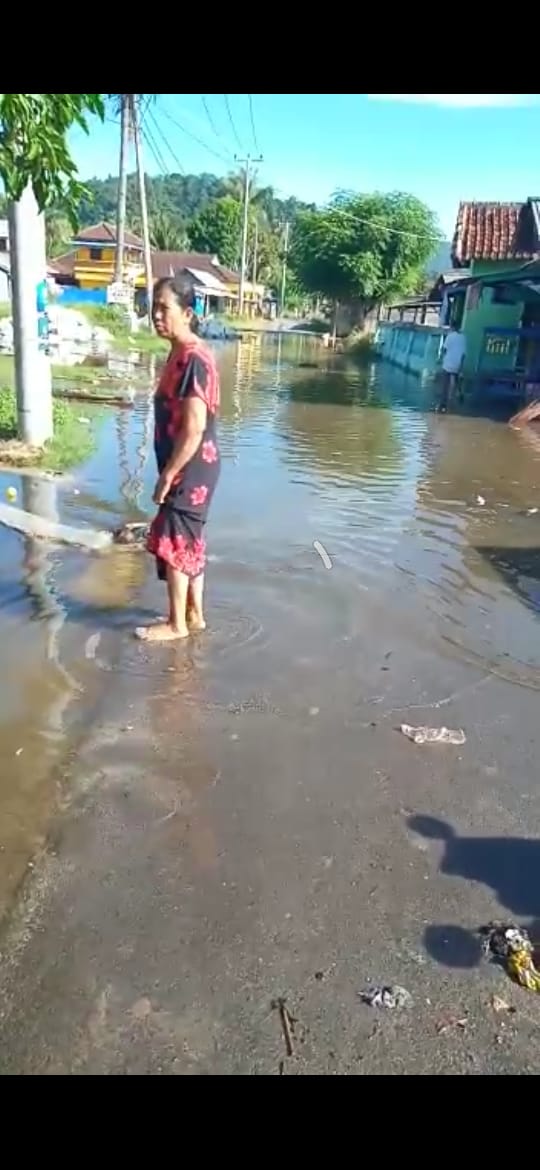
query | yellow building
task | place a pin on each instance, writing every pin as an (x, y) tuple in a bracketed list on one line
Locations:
[(90, 265), (94, 257)]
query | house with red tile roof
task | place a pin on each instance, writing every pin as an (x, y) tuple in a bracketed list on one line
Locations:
[(497, 307), (91, 265), (489, 234)]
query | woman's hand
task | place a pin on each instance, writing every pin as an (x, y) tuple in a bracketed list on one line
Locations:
[(163, 487)]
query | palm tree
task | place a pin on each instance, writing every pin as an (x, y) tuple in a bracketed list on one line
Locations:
[(167, 233)]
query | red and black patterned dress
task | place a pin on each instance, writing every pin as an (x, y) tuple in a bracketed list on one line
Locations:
[(176, 537)]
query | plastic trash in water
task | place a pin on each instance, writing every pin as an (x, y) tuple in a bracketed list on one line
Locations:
[(11, 494), (423, 735)]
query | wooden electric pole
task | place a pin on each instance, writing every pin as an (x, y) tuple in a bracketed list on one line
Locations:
[(144, 207), (285, 266), (122, 189), (256, 253)]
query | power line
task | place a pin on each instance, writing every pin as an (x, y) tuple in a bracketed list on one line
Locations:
[(382, 226), (378, 224), (213, 126), (252, 116), (209, 116), (196, 138), (231, 120), (155, 149), (163, 136)]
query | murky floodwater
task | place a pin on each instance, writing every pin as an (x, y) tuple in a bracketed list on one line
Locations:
[(352, 459)]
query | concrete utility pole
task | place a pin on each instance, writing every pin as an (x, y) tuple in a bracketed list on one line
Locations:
[(285, 264), (144, 207), (247, 162), (256, 253), (32, 366), (122, 189)]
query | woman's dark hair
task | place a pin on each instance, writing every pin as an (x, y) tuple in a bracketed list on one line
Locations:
[(182, 288)]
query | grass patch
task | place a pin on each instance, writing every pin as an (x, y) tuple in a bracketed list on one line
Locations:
[(7, 371), (109, 317), (73, 441), (113, 318), (92, 374), (146, 342), (94, 380)]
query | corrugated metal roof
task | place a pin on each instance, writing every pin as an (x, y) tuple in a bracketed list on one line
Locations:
[(210, 283)]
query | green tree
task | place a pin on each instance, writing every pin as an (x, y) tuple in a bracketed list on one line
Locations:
[(364, 250), (34, 148), (59, 234), (218, 229), (182, 196)]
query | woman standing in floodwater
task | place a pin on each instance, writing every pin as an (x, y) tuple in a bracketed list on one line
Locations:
[(187, 455)]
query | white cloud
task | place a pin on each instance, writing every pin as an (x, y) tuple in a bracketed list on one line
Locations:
[(459, 100)]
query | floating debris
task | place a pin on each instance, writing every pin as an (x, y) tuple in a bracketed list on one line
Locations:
[(390, 999), (131, 535), (324, 555), (511, 946), (92, 647), (423, 735)]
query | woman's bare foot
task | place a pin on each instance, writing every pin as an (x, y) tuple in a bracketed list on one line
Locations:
[(196, 621), (163, 632)]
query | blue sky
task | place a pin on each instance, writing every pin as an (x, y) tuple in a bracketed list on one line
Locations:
[(441, 147)]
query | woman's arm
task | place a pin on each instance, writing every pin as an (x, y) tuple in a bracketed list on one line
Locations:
[(187, 444)]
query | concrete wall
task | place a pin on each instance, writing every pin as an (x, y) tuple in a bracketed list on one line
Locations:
[(415, 348)]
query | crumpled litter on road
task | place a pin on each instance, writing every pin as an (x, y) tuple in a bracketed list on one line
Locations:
[(452, 1024), (423, 735), (511, 945), (391, 999)]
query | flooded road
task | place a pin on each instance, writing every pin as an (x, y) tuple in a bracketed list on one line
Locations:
[(426, 522)]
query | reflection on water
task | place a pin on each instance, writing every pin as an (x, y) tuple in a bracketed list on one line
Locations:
[(352, 458)]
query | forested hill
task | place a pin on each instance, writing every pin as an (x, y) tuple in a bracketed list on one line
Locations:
[(180, 198)]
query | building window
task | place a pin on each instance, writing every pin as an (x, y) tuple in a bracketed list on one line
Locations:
[(503, 296), (96, 254)]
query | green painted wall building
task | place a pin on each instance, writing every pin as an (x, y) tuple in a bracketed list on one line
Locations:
[(491, 239)]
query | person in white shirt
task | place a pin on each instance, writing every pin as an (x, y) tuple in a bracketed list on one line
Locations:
[(453, 358)]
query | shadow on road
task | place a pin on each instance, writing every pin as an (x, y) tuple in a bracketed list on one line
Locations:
[(509, 866), (520, 570)]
